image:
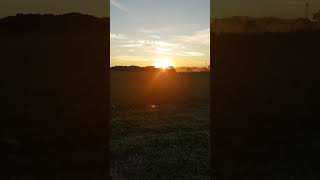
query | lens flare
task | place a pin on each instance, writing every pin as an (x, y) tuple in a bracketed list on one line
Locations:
[(163, 63)]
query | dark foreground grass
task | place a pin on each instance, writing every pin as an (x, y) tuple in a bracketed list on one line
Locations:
[(161, 142)]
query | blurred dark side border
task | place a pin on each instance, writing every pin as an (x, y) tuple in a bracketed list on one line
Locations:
[(265, 105), (212, 120), (54, 74)]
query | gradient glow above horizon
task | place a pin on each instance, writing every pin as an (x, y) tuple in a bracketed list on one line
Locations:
[(153, 32)]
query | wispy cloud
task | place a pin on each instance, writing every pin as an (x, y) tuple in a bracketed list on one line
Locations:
[(117, 36), (155, 30), (176, 53), (154, 36), (131, 45), (198, 37), (149, 43), (132, 58), (118, 5), (192, 53), (164, 44), (163, 47)]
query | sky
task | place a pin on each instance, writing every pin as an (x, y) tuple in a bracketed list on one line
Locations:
[(221, 8), (143, 31), (160, 33)]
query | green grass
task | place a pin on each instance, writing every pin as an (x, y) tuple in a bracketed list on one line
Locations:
[(169, 141)]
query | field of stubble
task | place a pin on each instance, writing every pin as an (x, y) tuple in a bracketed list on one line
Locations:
[(160, 125)]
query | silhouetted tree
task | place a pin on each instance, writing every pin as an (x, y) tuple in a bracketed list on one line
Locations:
[(170, 69), (135, 68)]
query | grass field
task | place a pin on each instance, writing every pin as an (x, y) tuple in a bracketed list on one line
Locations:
[(160, 125)]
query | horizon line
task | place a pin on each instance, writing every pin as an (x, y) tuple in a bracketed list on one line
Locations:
[(160, 68), (106, 16)]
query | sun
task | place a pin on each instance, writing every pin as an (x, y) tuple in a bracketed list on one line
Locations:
[(163, 63)]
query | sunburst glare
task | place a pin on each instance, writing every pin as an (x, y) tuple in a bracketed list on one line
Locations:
[(163, 62)]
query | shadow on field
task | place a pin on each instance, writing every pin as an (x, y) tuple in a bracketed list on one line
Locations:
[(265, 105), (138, 89)]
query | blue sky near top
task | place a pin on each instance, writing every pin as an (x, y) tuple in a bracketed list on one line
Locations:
[(146, 31)]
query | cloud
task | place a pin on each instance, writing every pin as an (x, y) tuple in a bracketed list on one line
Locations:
[(117, 36), (201, 37), (154, 36), (192, 53), (149, 43), (118, 5), (177, 53), (131, 58), (165, 47), (164, 44), (153, 31), (131, 45)]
